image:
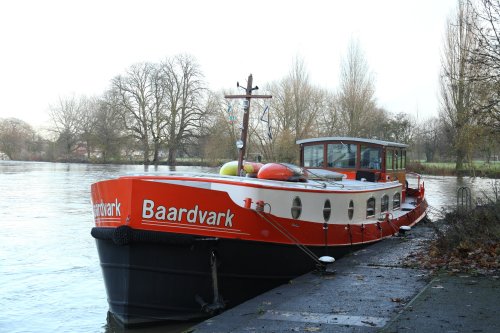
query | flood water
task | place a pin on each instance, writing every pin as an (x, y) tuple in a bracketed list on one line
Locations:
[(50, 278)]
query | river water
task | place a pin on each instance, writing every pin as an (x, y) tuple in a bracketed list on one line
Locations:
[(50, 278)]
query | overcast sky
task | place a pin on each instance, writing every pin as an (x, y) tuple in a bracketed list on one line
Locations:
[(52, 49)]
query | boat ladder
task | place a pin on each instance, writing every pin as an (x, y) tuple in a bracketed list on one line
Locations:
[(464, 199)]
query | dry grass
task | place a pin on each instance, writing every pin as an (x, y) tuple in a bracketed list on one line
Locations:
[(466, 242)]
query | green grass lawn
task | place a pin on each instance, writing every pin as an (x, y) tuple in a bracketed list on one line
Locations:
[(478, 168), (478, 165)]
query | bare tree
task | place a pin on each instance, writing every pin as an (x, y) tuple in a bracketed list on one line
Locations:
[(295, 107), (135, 100), (401, 128), (184, 89), (66, 119), (109, 127), (429, 134), (486, 57), (88, 122), (457, 90), (16, 137), (330, 123), (431, 139), (158, 110), (293, 101), (378, 126), (356, 95), (219, 129)]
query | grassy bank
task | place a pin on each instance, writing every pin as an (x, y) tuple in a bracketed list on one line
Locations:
[(475, 169)]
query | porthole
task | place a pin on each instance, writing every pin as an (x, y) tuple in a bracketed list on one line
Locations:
[(370, 207), (396, 201), (350, 210), (296, 207), (327, 210)]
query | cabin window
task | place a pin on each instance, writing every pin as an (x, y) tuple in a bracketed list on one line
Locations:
[(350, 210), (327, 210), (396, 159), (296, 207), (370, 158), (396, 201), (384, 204), (403, 159), (388, 159), (370, 207), (313, 156), (341, 155)]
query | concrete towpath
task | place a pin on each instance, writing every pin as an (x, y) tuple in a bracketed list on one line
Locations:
[(452, 303), (371, 291)]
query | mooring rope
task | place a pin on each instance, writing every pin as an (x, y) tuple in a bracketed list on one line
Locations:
[(389, 220)]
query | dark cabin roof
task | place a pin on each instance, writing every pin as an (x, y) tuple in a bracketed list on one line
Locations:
[(351, 139)]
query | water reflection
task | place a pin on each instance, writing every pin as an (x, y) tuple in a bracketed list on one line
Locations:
[(441, 192)]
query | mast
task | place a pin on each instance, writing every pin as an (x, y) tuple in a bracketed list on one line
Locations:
[(242, 143)]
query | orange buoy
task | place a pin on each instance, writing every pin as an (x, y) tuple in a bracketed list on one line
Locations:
[(282, 171)]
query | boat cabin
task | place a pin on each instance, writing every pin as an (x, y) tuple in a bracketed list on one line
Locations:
[(357, 158)]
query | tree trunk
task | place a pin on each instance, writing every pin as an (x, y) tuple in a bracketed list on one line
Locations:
[(156, 159), (146, 153), (172, 156), (429, 154), (460, 159), (88, 151)]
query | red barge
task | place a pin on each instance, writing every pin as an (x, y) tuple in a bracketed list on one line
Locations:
[(184, 246)]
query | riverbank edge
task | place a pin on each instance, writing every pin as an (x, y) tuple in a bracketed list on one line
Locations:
[(413, 167)]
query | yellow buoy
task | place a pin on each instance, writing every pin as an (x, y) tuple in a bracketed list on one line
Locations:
[(231, 168)]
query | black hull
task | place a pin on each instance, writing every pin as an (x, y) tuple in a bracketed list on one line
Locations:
[(153, 277)]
